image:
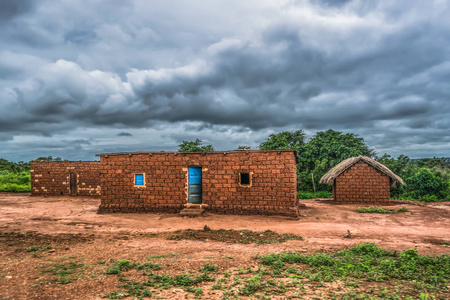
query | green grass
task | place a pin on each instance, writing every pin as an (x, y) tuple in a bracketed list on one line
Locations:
[(364, 271), (14, 182), (141, 289), (66, 272), (32, 249), (310, 195), (119, 266), (367, 262), (208, 267), (379, 210)]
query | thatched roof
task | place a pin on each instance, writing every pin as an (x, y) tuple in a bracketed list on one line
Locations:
[(331, 175)]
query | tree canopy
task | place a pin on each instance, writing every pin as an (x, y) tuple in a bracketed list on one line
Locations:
[(240, 147), (328, 148), (284, 140), (194, 146)]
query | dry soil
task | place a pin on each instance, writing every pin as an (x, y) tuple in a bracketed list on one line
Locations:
[(78, 234)]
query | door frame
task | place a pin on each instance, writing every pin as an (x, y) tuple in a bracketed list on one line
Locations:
[(201, 183), (73, 188)]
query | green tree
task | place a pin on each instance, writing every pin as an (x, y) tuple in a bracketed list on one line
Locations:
[(243, 147), (284, 140), (10, 166), (194, 146), (48, 158), (325, 150), (425, 184), (403, 166)]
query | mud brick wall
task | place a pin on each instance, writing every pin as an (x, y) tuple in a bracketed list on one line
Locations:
[(273, 189), (363, 184), (53, 178)]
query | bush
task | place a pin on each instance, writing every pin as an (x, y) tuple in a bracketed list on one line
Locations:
[(14, 182), (426, 186), (310, 195)]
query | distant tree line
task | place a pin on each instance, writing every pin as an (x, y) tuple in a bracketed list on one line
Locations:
[(427, 179)]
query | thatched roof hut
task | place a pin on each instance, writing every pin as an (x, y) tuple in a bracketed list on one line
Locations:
[(331, 175)]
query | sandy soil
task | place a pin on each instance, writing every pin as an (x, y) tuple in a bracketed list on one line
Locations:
[(75, 231)]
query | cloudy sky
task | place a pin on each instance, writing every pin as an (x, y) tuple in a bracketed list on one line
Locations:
[(91, 76)]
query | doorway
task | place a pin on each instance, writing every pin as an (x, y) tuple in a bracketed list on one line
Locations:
[(195, 185), (73, 188)]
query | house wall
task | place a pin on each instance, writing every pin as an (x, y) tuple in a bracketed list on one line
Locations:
[(362, 183), (52, 178), (273, 189)]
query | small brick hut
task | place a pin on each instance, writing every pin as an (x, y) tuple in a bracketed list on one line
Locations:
[(59, 178), (361, 180), (232, 182)]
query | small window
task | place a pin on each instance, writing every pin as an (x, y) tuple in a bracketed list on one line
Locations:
[(139, 179), (245, 179)]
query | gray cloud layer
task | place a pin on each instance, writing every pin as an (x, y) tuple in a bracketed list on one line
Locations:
[(78, 77)]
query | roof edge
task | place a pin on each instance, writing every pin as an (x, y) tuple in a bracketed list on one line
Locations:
[(204, 153)]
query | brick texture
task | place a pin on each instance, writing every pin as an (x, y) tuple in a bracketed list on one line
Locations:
[(53, 178), (273, 189), (362, 183)]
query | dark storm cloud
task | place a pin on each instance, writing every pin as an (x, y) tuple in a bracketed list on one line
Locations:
[(12, 8), (380, 70)]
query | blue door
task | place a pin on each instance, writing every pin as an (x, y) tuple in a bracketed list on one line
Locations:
[(195, 185)]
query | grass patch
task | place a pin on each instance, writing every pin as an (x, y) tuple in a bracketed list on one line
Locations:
[(141, 289), (65, 272), (364, 271), (367, 262), (379, 210), (15, 182), (119, 266), (208, 268), (234, 236), (310, 195), (32, 249)]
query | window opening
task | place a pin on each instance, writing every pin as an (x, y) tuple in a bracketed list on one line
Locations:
[(139, 179), (245, 178)]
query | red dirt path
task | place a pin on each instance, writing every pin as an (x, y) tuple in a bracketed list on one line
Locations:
[(95, 237)]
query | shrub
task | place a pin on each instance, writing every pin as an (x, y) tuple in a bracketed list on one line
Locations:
[(14, 182), (426, 186)]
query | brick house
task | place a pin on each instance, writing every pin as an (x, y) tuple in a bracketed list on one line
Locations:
[(361, 180), (62, 178), (231, 182)]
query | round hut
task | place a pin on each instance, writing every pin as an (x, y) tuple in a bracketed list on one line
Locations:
[(361, 180)]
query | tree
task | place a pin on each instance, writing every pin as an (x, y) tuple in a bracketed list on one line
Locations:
[(194, 146), (425, 183), (402, 166), (48, 159), (325, 150), (243, 147), (284, 140), (14, 167)]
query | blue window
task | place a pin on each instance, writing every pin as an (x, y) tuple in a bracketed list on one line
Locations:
[(139, 179)]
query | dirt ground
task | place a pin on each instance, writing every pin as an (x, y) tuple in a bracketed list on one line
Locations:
[(78, 234)]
